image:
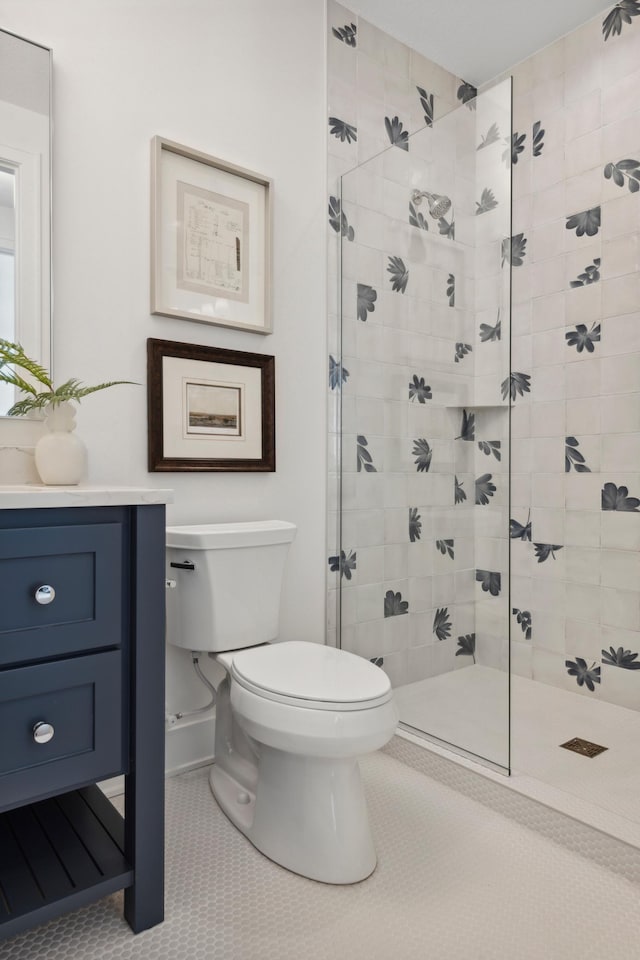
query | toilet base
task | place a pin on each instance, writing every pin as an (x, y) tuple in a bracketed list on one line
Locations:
[(308, 814)]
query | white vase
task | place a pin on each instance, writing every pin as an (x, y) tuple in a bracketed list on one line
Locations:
[(61, 457)]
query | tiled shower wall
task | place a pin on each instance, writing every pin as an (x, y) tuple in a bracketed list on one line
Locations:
[(409, 380), (373, 83), (575, 522), (405, 596), (575, 385)]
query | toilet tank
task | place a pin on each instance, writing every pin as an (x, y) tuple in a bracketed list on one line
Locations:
[(228, 581)]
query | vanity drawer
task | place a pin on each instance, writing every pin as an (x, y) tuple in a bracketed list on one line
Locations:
[(83, 566), (81, 699)]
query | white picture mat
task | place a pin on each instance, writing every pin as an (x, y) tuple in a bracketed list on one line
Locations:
[(175, 371), (174, 168)]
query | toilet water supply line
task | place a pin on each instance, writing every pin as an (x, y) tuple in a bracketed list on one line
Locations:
[(172, 718)]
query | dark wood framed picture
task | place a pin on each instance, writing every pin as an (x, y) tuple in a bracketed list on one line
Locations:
[(209, 409)]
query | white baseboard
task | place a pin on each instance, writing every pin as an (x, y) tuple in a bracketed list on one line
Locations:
[(189, 744), (113, 787)]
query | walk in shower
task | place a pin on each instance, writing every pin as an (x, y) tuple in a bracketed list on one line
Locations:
[(425, 409), (486, 387)]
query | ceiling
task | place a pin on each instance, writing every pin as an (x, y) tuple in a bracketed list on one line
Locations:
[(478, 39)]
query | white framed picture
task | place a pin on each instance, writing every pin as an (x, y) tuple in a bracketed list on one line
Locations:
[(210, 239)]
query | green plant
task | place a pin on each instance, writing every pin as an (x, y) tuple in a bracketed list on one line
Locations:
[(13, 359)]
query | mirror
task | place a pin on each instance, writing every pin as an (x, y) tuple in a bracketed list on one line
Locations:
[(25, 200)]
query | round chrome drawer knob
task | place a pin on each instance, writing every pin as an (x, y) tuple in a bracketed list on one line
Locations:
[(43, 732), (45, 594)]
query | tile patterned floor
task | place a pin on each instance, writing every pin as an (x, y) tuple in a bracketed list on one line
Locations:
[(458, 878)]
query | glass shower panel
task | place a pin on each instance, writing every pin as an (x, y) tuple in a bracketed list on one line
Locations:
[(425, 408)]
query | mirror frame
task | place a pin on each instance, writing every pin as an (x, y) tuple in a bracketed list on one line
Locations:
[(45, 352)]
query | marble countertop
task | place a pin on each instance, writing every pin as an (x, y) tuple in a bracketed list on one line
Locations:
[(30, 495)]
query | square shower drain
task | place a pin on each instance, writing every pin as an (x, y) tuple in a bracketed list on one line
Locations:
[(584, 747)]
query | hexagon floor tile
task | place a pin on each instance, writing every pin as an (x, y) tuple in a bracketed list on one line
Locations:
[(459, 877)]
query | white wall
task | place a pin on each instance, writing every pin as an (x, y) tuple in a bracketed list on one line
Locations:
[(242, 80)]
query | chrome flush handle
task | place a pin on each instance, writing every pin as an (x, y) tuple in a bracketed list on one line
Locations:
[(45, 594)]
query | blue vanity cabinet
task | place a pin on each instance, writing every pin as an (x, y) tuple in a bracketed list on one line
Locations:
[(81, 700)]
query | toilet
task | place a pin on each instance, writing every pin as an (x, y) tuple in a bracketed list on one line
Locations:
[(292, 717)]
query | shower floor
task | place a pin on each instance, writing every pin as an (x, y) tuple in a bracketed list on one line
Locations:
[(468, 708)]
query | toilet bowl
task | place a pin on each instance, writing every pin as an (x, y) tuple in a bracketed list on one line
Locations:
[(303, 805), (292, 718)]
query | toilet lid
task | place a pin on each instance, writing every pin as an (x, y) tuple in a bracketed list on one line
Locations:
[(312, 672)]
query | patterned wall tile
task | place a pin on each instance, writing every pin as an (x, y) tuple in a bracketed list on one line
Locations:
[(424, 337)]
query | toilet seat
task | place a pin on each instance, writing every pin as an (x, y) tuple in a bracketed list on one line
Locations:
[(275, 694), (309, 675), (300, 728)]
